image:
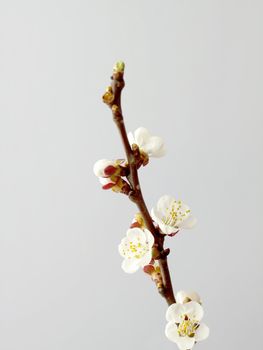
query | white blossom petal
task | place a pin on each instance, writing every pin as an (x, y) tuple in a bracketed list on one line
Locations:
[(105, 181), (202, 332), (193, 310), (146, 259), (149, 237), (141, 136), (155, 214), (136, 233), (121, 247), (183, 297), (185, 343), (129, 266), (188, 223), (152, 145), (174, 312), (155, 147), (100, 165), (167, 229), (160, 152), (164, 203), (131, 138), (171, 332)]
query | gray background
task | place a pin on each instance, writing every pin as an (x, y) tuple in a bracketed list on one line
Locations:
[(194, 76)]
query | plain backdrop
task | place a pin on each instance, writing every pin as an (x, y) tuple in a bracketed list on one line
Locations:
[(194, 76)]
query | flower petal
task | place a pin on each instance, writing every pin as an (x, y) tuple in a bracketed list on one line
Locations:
[(160, 152), (149, 237), (185, 343), (131, 138), (155, 215), (146, 259), (141, 136), (135, 234), (183, 297), (202, 332), (153, 146), (100, 165), (122, 246), (171, 332), (129, 266), (164, 204), (193, 310), (188, 223), (105, 181), (166, 229), (174, 313)]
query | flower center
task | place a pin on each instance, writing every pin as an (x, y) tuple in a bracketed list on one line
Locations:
[(135, 249), (174, 214), (187, 327)]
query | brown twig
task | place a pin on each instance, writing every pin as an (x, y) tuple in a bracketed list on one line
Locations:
[(113, 99)]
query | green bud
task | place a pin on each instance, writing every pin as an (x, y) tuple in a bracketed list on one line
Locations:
[(119, 67)]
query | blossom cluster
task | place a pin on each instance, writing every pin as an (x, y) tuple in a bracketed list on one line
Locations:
[(138, 247), (111, 173), (169, 216)]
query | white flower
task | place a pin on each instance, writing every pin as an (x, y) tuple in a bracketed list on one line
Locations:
[(104, 168), (183, 297), (184, 327), (136, 249), (153, 146), (172, 215)]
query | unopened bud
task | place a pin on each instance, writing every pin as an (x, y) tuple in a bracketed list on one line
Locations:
[(119, 67), (108, 97), (115, 109), (139, 219), (144, 158), (120, 184), (155, 253), (100, 166), (110, 170), (107, 183), (149, 269)]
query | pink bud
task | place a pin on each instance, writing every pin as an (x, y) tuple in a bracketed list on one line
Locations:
[(149, 269), (108, 186), (109, 170), (107, 183), (101, 165)]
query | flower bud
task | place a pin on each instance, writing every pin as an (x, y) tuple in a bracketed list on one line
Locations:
[(149, 269), (119, 67), (183, 297), (104, 168), (155, 252), (155, 273), (110, 170), (107, 183), (108, 96), (138, 221), (120, 185)]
